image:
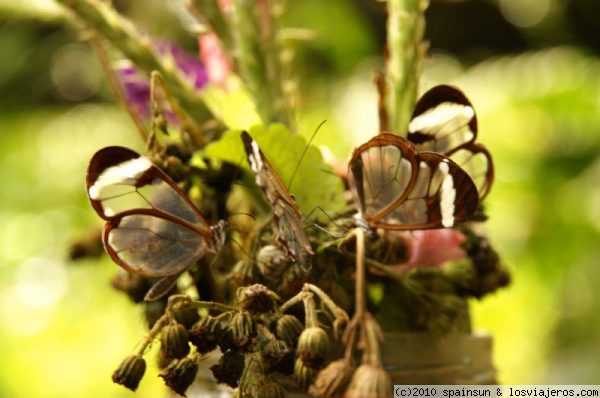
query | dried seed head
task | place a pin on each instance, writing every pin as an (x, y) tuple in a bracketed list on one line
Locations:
[(257, 299), (369, 381), (229, 368), (180, 375), (244, 273), (292, 279), (274, 352), (130, 372), (242, 329), (313, 346), (332, 380), (204, 335), (269, 388), (186, 315), (289, 329), (303, 374), (174, 341)]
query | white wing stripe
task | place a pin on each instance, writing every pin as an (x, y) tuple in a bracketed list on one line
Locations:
[(127, 172), (447, 196)]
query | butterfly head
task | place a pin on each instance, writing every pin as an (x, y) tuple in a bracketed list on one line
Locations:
[(218, 233)]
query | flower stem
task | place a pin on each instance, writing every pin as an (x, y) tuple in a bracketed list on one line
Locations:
[(405, 27), (139, 48), (258, 55)]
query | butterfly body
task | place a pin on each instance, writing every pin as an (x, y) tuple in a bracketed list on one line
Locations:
[(152, 228), (287, 217)]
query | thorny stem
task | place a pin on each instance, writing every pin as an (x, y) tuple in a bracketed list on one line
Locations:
[(116, 86), (405, 27)]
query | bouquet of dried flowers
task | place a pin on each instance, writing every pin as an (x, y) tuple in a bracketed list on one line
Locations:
[(218, 251)]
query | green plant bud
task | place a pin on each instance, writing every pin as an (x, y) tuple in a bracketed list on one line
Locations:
[(257, 299), (271, 262), (289, 329), (130, 372), (332, 380), (186, 315), (242, 329), (204, 335), (303, 374), (313, 346), (180, 375), (269, 388), (229, 369), (174, 341), (369, 381)]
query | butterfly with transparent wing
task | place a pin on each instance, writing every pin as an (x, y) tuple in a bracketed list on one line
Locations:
[(152, 228), (444, 121), (434, 178), (286, 215)]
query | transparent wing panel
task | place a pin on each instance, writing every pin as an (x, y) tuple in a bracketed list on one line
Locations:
[(154, 246)]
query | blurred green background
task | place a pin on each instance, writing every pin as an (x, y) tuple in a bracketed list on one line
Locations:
[(531, 68)]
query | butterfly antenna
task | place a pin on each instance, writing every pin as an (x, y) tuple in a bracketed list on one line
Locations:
[(289, 187), (307, 217), (242, 249)]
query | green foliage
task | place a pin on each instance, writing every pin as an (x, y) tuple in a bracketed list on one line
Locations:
[(313, 185)]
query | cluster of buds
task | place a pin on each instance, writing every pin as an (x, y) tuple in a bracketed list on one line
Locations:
[(259, 343)]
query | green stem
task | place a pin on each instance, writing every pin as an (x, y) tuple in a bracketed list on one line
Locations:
[(258, 55), (406, 26), (310, 311), (139, 48)]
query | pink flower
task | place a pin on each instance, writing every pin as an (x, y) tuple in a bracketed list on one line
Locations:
[(433, 248), (218, 65)]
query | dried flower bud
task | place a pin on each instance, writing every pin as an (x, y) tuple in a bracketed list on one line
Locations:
[(269, 388), (130, 372), (333, 380), (186, 315), (242, 329), (313, 346), (229, 369), (174, 341), (271, 262), (369, 381), (289, 329), (135, 286), (303, 374), (257, 299), (274, 352), (204, 335), (180, 375)]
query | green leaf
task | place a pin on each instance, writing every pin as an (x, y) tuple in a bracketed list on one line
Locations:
[(314, 184)]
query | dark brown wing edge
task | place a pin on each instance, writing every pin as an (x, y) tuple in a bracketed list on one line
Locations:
[(434, 97), (465, 204)]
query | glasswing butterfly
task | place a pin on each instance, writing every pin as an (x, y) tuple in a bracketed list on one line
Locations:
[(434, 178), (286, 215), (152, 228)]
